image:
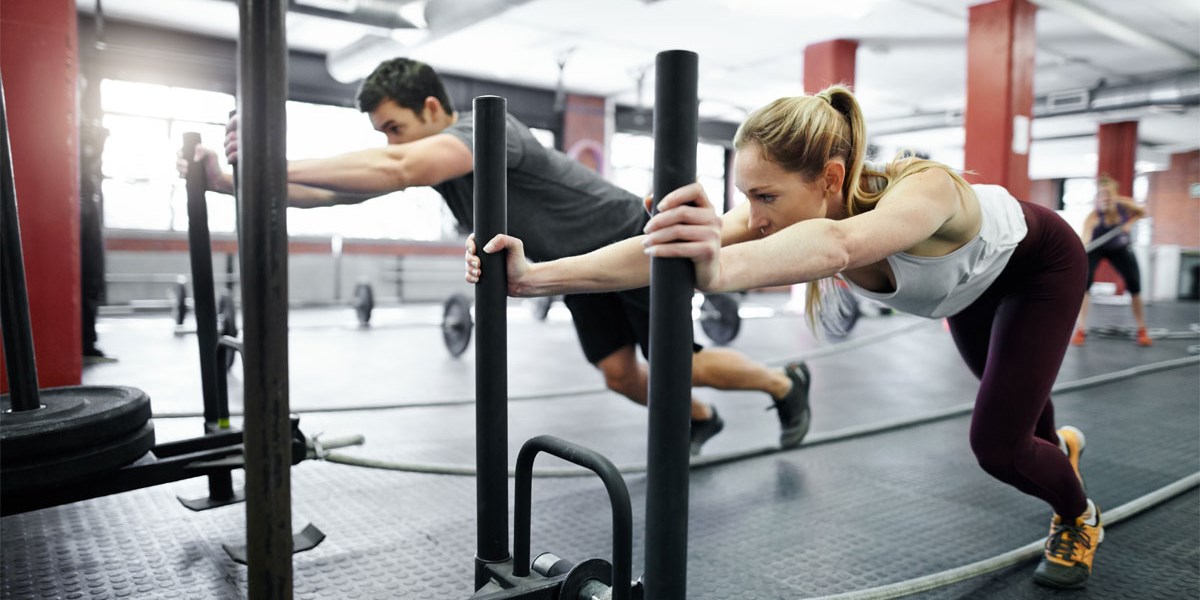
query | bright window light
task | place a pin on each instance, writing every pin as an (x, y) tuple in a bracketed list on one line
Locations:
[(633, 166), (146, 123)]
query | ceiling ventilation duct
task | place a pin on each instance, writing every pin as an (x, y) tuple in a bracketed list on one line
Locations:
[(1175, 91), (442, 17), (1182, 89)]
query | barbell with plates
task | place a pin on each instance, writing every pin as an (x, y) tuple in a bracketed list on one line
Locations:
[(719, 319), (456, 317)]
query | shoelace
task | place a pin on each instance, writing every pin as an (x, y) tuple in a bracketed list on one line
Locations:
[(785, 412), (1064, 539)]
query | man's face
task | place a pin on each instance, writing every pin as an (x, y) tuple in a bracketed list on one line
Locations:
[(402, 125)]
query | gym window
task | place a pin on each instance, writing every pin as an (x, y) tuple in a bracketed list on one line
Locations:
[(633, 166), (142, 190)]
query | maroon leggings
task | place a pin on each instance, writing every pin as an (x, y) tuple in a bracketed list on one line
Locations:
[(1013, 338)]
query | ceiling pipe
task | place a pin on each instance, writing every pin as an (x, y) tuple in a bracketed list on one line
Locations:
[(1177, 90)]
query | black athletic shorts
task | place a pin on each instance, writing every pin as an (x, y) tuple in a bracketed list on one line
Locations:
[(609, 321), (1123, 260)]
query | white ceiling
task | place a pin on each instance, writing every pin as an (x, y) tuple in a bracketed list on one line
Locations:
[(911, 58)]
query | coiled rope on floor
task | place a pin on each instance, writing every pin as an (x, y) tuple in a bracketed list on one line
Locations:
[(813, 440), (1012, 557)]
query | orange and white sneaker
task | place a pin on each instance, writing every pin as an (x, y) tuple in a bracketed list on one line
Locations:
[(1070, 549), (1143, 338), (1072, 442), (1079, 337)]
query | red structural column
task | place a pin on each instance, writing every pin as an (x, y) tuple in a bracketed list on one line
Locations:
[(39, 63), (1118, 153), (829, 62), (1000, 64)]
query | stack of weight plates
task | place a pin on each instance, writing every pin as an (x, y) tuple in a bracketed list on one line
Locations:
[(79, 432)]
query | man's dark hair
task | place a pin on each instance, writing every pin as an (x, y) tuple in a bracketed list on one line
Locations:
[(404, 81)]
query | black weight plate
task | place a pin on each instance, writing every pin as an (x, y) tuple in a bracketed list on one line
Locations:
[(71, 418), (364, 303), (592, 569), (719, 318), (457, 324), (841, 313), (80, 464)]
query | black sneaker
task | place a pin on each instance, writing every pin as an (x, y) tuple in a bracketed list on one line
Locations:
[(702, 431), (794, 413)]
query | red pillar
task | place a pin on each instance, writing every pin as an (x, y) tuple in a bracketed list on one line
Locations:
[(1000, 63), (1117, 155), (39, 63), (827, 63)]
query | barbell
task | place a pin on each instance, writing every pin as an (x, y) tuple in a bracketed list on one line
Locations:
[(719, 316)]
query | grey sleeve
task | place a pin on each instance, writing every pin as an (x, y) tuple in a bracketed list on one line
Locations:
[(464, 130)]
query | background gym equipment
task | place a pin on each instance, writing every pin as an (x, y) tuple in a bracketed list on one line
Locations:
[(719, 318), (457, 324), (672, 282), (841, 312), (364, 303), (65, 444), (540, 307), (1103, 239), (499, 575)]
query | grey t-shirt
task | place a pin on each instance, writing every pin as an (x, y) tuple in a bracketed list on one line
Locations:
[(557, 206)]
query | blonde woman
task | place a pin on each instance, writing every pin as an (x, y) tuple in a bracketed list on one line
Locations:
[(1113, 212), (912, 234)]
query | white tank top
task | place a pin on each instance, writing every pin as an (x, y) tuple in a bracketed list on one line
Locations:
[(941, 286)]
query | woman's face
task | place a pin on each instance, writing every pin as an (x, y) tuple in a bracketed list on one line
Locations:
[(1104, 199), (778, 198)]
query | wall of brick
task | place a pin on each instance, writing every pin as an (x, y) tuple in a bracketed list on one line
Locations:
[(1176, 214)]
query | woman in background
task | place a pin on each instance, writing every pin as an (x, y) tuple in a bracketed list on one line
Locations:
[(1113, 212)]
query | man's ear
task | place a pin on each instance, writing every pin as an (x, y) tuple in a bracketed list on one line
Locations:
[(834, 175), (433, 106)]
